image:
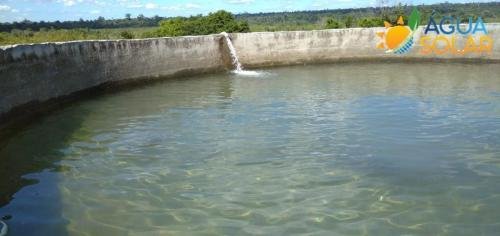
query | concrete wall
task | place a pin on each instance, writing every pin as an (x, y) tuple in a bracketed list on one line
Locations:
[(39, 72), (296, 47)]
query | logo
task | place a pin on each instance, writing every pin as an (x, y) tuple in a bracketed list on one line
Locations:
[(452, 38), (448, 36), (399, 39)]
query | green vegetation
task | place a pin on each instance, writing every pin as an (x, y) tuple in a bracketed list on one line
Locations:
[(60, 35), (221, 21), (127, 34), (366, 17), (332, 24), (100, 23), (196, 25), (144, 27), (370, 22)]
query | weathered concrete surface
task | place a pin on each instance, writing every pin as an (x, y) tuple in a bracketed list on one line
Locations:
[(36, 73), (296, 47), (39, 72)]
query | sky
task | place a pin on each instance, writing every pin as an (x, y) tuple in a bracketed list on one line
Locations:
[(51, 10)]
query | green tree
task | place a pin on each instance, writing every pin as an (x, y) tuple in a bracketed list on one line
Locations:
[(172, 27), (332, 24), (220, 21), (223, 21), (397, 11), (349, 22), (126, 34), (371, 22)]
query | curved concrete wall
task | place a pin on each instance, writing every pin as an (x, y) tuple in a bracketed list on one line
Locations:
[(296, 47), (39, 72), (36, 73)]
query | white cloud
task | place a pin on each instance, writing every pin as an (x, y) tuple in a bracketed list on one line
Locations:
[(100, 3), (135, 6), (150, 6), (240, 1), (68, 2), (172, 8), (192, 6), (317, 4), (4, 8), (180, 7), (95, 12), (130, 3)]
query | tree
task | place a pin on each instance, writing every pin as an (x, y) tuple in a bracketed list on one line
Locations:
[(173, 27), (349, 22), (128, 16), (220, 21), (126, 35), (332, 24), (397, 11), (371, 22), (223, 21)]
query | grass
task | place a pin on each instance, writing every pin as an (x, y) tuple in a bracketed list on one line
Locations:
[(61, 35), (284, 27)]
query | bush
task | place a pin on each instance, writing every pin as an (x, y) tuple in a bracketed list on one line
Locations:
[(349, 22), (371, 22), (332, 24), (213, 23), (126, 35), (173, 27)]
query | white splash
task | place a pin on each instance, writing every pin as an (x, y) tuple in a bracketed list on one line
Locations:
[(247, 72), (238, 68), (3, 229)]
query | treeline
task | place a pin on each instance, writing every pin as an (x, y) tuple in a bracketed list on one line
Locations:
[(220, 21), (99, 23), (354, 17), (144, 27), (366, 17)]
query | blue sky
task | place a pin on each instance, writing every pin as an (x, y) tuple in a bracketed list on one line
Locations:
[(51, 10)]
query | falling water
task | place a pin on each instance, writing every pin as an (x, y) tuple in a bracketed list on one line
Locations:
[(232, 51), (234, 57), (3, 228)]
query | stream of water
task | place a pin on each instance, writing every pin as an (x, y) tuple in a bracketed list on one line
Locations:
[(238, 68)]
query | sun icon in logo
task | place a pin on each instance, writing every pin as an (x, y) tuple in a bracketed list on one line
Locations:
[(399, 39)]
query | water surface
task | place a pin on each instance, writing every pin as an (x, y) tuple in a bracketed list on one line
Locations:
[(347, 149)]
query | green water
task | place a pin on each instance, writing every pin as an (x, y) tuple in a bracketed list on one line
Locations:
[(347, 149)]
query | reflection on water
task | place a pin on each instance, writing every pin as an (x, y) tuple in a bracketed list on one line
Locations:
[(352, 149)]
